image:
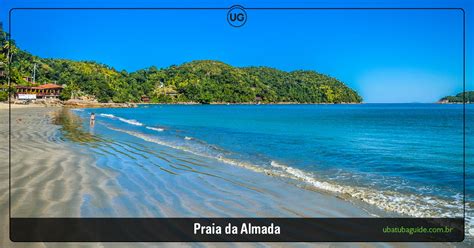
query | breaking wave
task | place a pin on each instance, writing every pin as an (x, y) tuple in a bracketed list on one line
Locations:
[(158, 129), (401, 203), (108, 115), (129, 121), (132, 122)]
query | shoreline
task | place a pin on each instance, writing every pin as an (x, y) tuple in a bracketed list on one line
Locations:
[(245, 103), (454, 102), (332, 189), (4, 105), (89, 104), (237, 180), (103, 184), (72, 105), (93, 104)]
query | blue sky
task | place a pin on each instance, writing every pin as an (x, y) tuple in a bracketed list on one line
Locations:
[(386, 55)]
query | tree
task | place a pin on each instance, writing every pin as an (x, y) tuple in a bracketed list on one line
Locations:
[(203, 81)]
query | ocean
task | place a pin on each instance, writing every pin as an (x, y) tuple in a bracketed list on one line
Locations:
[(405, 159)]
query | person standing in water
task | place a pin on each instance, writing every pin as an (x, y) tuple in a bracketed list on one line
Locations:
[(92, 119)]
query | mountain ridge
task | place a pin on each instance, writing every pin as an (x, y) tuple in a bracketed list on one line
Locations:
[(200, 81)]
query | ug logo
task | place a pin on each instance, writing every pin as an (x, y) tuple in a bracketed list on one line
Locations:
[(236, 16)]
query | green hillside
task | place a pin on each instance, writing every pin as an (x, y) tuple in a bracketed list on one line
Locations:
[(204, 81), (459, 98)]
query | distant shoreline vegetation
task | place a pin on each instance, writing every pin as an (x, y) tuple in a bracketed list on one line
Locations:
[(459, 98), (201, 81)]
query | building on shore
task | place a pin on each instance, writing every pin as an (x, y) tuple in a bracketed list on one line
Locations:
[(44, 91)]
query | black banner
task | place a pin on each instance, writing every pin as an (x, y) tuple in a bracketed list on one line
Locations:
[(236, 229)]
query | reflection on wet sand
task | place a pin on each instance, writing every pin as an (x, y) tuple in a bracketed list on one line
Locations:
[(72, 129)]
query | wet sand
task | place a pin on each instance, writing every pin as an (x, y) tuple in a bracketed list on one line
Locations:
[(53, 178)]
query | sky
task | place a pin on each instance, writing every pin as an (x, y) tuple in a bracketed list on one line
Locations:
[(385, 55)]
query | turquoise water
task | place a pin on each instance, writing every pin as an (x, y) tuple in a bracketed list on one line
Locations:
[(405, 158)]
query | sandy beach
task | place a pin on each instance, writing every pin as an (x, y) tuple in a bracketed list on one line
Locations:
[(49, 179), (59, 178), (6, 106), (54, 177)]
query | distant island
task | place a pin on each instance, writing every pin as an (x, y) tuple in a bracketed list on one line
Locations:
[(203, 81), (458, 98)]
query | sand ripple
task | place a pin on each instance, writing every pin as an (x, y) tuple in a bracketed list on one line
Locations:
[(54, 177)]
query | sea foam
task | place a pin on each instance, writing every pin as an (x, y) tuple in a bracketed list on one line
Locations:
[(129, 121), (404, 204), (108, 115), (158, 129)]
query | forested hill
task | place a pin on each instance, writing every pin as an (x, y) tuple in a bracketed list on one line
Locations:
[(458, 98), (203, 81), (213, 81)]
